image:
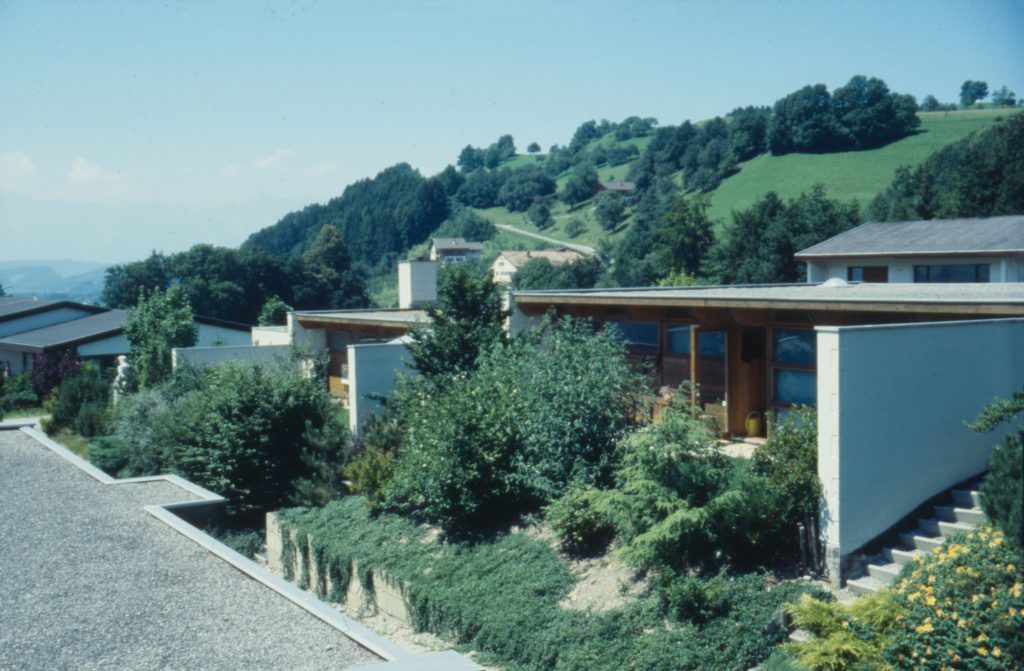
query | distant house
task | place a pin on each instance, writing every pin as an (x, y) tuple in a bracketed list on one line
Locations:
[(508, 263), (450, 250), (616, 186), (29, 327), (934, 251)]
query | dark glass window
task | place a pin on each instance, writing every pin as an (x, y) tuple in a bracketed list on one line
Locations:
[(678, 339), (795, 346), (644, 334), (954, 272), (796, 386), (867, 273)]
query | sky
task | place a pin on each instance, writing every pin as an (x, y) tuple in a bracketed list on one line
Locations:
[(127, 127)]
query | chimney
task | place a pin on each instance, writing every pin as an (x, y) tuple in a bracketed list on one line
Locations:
[(417, 283)]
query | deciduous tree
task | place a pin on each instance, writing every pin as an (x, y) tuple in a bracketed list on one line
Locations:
[(161, 321)]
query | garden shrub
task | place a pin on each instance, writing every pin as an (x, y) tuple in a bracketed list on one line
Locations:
[(82, 403), (262, 437), (502, 598), (16, 392), (1002, 494), (534, 416), (582, 521), (846, 637), (108, 453), (965, 607)]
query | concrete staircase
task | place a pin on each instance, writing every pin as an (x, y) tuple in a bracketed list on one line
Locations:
[(962, 513)]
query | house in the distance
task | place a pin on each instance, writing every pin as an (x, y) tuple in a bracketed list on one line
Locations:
[(94, 333), (616, 186), (452, 250), (508, 263), (935, 251)]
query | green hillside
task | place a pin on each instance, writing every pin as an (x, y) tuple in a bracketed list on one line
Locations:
[(847, 175)]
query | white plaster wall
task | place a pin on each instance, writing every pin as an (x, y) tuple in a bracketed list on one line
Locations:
[(40, 320), (207, 356), (314, 339), (372, 369), (12, 361), (113, 345), (263, 336), (901, 270), (893, 401), (417, 283), (219, 336), (517, 320)]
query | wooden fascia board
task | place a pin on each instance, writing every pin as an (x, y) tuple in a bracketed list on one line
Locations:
[(932, 307), (336, 325)]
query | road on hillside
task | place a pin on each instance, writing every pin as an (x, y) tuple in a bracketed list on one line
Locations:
[(582, 249)]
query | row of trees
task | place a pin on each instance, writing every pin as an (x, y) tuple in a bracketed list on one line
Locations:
[(236, 285)]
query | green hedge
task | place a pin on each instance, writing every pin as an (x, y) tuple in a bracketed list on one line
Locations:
[(501, 597)]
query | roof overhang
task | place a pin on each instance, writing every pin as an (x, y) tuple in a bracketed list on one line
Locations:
[(902, 255)]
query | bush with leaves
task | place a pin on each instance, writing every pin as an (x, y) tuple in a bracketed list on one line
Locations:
[(50, 368), (16, 392), (261, 436), (161, 321), (581, 520), (544, 411), (1002, 495), (82, 404)]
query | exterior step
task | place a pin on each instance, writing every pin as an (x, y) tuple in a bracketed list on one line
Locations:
[(913, 539), (937, 527), (901, 557), (962, 515), (967, 498), (865, 585), (884, 573)]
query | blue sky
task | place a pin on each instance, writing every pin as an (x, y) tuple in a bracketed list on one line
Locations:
[(208, 120)]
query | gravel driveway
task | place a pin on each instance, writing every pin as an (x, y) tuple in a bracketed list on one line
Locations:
[(89, 580)]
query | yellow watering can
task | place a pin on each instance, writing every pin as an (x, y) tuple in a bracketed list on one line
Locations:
[(753, 424)]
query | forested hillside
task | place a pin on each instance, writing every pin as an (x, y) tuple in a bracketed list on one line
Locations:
[(724, 200)]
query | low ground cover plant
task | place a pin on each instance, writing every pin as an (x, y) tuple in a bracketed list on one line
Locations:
[(503, 597)]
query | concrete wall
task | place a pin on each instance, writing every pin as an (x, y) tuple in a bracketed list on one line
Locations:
[(417, 283), (40, 320), (892, 403), (270, 335), (901, 270), (208, 356), (372, 369)]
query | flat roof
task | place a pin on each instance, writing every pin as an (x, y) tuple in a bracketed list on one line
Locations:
[(392, 318), (946, 237), (1005, 298)]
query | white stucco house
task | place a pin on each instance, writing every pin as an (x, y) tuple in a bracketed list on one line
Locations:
[(934, 251), (508, 263)]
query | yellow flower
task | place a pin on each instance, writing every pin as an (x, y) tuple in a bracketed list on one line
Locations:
[(996, 652), (981, 638), (982, 651), (925, 628), (930, 601)]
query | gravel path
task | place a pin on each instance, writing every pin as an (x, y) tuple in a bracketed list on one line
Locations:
[(89, 580)]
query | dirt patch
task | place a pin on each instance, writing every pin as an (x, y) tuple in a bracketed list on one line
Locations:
[(602, 583)]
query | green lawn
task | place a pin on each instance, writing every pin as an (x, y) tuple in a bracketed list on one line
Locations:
[(19, 413), (856, 175)]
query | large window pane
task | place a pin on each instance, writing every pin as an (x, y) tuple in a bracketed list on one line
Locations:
[(678, 339), (644, 334), (796, 386), (955, 272), (795, 346)]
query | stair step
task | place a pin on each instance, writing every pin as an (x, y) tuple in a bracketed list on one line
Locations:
[(937, 527), (884, 573), (967, 498), (957, 514), (865, 585), (914, 539), (900, 556)]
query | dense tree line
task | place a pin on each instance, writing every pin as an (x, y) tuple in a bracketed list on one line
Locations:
[(232, 284), (979, 176), (378, 218)]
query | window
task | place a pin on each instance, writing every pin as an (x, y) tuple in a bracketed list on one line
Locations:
[(954, 272), (677, 339), (638, 335), (794, 360), (675, 364), (867, 273)]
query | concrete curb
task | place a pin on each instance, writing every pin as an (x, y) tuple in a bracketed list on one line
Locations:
[(167, 514)]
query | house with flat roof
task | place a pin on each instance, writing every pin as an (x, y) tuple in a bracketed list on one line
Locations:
[(895, 370), (933, 251), (454, 250), (508, 263), (94, 333)]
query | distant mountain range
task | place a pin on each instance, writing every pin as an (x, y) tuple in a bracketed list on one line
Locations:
[(80, 281)]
